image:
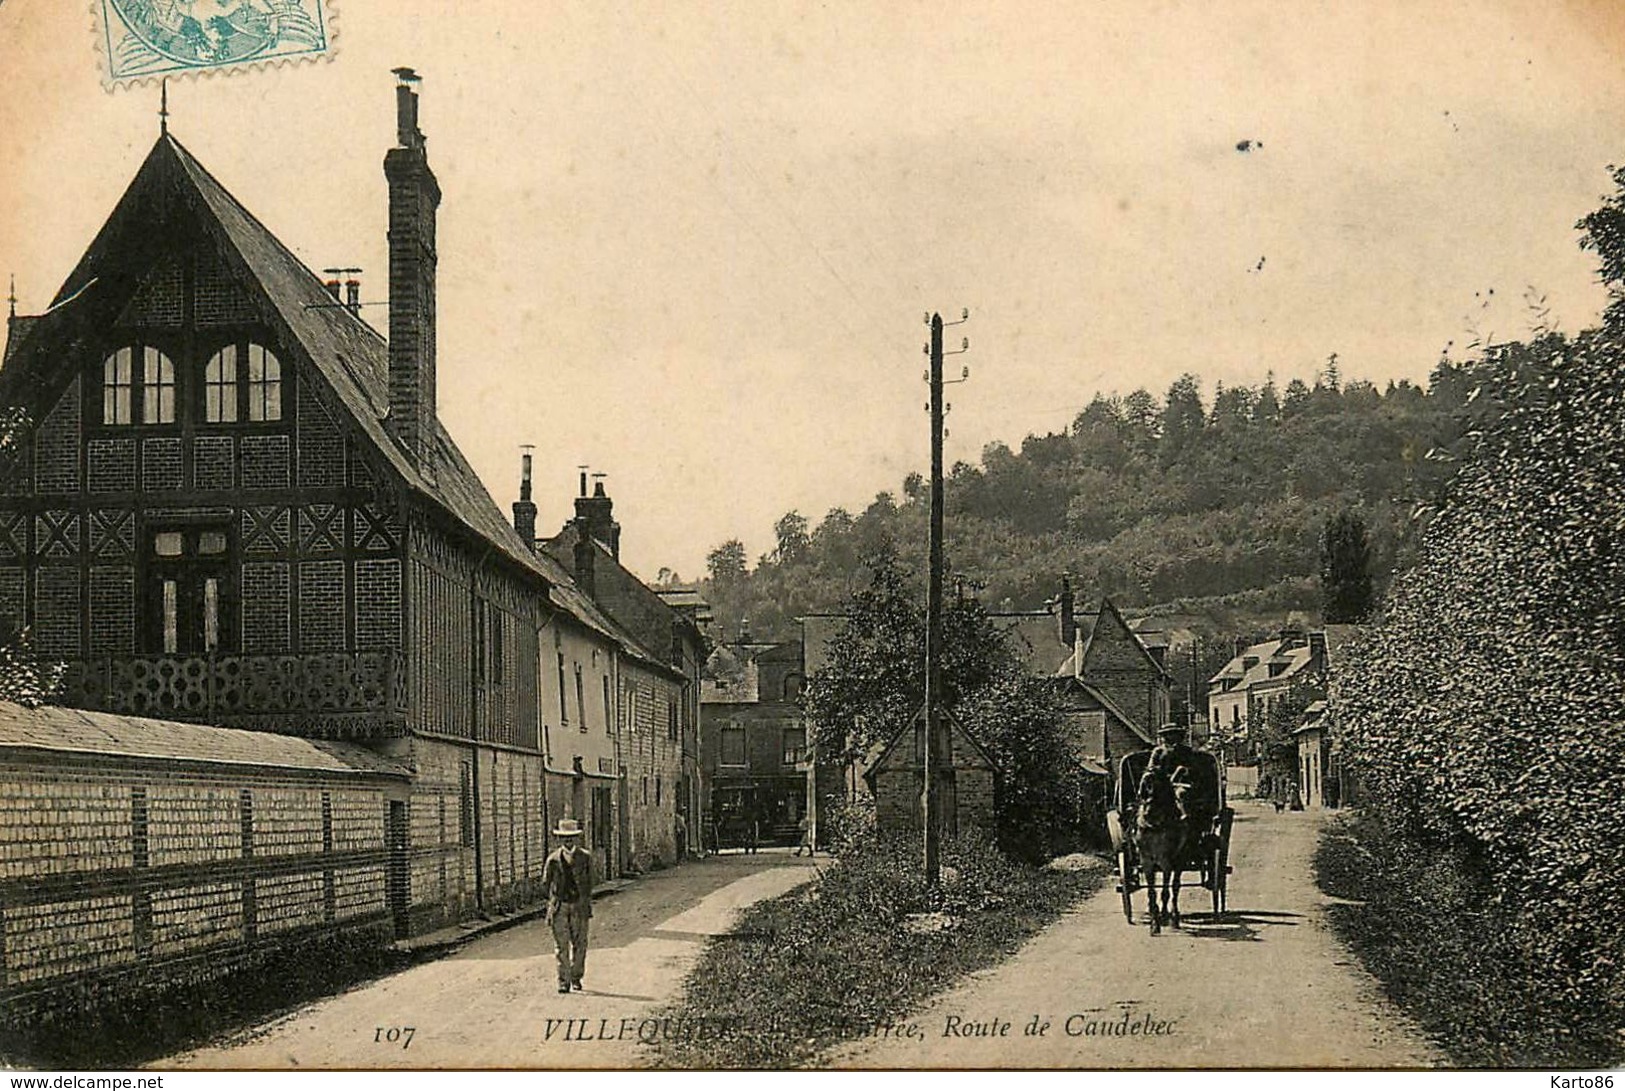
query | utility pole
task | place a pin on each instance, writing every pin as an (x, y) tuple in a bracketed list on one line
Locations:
[(936, 740)]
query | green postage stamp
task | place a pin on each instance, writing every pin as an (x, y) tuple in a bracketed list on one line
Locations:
[(146, 38)]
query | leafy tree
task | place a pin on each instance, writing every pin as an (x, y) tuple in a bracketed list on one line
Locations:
[(1345, 570), (1603, 233), (791, 531), (727, 563), (1182, 418), (25, 678), (1485, 717), (873, 687)]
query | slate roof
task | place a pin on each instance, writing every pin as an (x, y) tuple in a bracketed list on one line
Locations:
[(72, 731), (349, 355), (1289, 660)]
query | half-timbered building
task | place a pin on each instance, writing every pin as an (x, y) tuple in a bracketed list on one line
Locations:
[(236, 505)]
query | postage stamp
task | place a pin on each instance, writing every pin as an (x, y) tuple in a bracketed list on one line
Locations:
[(147, 38)]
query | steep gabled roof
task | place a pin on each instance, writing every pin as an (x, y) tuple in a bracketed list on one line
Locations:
[(956, 726), (1108, 607), (349, 356), (1110, 707)]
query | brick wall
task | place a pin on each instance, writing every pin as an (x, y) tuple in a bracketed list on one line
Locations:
[(503, 797), (653, 762), (266, 607), (213, 459), (112, 610), (266, 462), (131, 872), (161, 464), (111, 465), (321, 606), (56, 445)]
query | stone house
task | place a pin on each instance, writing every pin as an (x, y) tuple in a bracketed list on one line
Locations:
[(967, 782), (755, 747)]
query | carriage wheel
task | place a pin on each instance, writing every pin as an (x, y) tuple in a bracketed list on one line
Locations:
[(1124, 885)]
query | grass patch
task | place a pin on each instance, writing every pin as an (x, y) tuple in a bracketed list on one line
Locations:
[(856, 950), (1428, 927)]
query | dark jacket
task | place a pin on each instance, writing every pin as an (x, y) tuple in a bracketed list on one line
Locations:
[(563, 871)]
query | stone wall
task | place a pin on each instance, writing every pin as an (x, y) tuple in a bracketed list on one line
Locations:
[(120, 874)]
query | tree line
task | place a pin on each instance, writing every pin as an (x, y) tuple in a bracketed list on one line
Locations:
[(1183, 503)]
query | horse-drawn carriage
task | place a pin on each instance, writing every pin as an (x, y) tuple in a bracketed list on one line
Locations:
[(1168, 823)]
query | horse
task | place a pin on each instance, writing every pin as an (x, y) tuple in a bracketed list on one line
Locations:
[(1161, 837)]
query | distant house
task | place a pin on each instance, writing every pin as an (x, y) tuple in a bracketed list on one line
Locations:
[(1317, 783), (1259, 675), (1114, 694), (755, 750), (1265, 673)]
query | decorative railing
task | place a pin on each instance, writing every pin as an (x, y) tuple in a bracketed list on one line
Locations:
[(321, 689)]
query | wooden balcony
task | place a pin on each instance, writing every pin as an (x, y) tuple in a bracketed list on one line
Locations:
[(331, 696)]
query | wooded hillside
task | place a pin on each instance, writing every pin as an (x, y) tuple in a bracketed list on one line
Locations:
[(1171, 504)]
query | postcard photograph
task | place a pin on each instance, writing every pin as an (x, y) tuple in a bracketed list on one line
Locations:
[(859, 536)]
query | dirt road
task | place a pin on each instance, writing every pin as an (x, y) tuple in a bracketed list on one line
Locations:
[(494, 1004), (1267, 985)]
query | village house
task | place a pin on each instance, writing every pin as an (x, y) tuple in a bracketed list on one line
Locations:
[(754, 743), (1259, 676), (235, 506), (657, 688), (1111, 683)]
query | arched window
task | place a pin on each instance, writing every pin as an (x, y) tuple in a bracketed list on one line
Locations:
[(116, 388), (157, 388), (264, 384), (243, 381), (220, 387)]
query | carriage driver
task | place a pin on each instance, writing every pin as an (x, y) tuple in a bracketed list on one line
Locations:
[(1175, 758)]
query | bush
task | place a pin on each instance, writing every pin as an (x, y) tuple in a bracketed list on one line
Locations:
[(1485, 716), (1430, 928)]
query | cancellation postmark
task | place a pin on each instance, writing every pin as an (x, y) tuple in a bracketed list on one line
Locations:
[(147, 39)]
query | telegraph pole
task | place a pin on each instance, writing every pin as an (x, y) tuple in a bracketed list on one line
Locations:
[(937, 743)]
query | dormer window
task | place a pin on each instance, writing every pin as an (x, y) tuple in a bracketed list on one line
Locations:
[(242, 382)]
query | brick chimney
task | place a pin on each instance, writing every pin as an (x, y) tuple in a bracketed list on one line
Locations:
[(524, 512), (595, 515), (1068, 609), (414, 196), (584, 558)]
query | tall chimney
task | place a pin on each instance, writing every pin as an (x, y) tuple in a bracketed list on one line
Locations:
[(352, 296), (524, 512), (1069, 618), (595, 515), (414, 196)]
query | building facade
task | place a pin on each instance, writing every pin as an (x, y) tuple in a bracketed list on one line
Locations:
[(234, 505), (755, 747), (661, 648)]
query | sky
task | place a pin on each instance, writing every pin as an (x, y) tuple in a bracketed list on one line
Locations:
[(691, 245)]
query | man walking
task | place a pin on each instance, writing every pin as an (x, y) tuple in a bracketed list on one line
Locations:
[(567, 880)]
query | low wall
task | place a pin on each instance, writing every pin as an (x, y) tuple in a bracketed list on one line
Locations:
[(129, 863)]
